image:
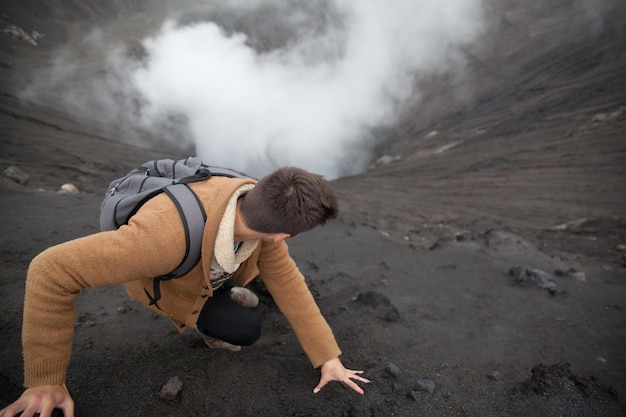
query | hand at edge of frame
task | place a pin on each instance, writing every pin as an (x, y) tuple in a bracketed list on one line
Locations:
[(42, 400)]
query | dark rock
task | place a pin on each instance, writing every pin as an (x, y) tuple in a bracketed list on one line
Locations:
[(392, 370), (563, 272), (494, 375), (522, 275), (519, 274), (424, 385)]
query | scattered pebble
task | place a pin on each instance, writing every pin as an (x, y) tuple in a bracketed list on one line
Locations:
[(541, 278), (68, 189), (16, 175), (494, 375), (415, 395), (393, 370), (563, 271), (424, 385), (171, 389)]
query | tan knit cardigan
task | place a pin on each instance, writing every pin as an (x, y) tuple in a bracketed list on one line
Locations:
[(153, 244)]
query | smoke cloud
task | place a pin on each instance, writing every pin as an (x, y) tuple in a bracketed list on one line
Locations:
[(271, 83)]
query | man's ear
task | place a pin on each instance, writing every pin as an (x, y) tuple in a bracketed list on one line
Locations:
[(281, 236)]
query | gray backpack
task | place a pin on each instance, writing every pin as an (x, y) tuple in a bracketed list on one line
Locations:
[(127, 194)]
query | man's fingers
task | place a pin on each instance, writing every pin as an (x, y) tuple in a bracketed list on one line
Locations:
[(319, 387), (356, 375), (46, 410), (354, 386), (348, 381), (68, 409), (359, 378)]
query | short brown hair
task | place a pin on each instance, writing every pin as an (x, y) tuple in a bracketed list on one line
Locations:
[(289, 200)]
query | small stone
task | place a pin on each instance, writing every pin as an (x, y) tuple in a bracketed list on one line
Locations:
[(563, 271), (121, 310), (425, 385), (17, 175), (494, 376), (68, 189), (544, 280), (393, 370), (519, 274), (171, 389), (415, 395), (541, 278)]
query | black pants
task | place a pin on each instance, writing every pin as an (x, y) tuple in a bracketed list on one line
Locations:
[(228, 320)]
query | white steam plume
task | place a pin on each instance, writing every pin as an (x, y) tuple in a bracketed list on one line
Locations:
[(311, 102), (258, 84)]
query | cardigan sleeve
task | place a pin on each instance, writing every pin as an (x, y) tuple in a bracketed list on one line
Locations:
[(292, 296), (57, 275)]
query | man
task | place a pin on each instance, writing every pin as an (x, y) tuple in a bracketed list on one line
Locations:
[(244, 232)]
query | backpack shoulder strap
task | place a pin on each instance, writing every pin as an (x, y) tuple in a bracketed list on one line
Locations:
[(193, 217)]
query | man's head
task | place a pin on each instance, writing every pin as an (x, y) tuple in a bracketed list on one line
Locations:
[(289, 200)]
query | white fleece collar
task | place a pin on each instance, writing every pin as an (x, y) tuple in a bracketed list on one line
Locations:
[(224, 250)]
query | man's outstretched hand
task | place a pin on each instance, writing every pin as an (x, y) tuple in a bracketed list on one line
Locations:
[(333, 370), (42, 400)]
